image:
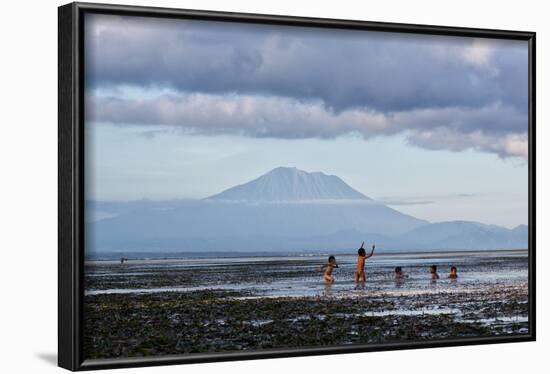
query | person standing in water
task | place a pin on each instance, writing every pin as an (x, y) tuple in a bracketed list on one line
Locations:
[(453, 274), (327, 275), (433, 271), (360, 271), (399, 274)]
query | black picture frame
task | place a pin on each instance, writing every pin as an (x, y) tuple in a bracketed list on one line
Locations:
[(71, 180)]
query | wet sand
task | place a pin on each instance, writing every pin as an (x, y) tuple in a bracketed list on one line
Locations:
[(160, 307)]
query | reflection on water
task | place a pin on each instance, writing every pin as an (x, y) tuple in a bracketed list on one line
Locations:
[(328, 290), (299, 276)]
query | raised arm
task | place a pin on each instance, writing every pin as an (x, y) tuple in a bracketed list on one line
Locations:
[(372, 251)]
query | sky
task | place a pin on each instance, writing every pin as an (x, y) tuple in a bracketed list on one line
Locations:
[(433, 126)]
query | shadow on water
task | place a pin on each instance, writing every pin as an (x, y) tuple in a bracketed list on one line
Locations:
[(50, 358)]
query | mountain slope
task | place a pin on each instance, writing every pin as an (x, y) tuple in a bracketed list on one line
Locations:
[(464, 235), (291, 184), (289, 208), (216, 221), (284, 210)]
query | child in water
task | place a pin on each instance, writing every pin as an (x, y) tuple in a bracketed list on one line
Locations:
[(399, 275), (433, 271), (360, 272), (327, 276), (453, 274)]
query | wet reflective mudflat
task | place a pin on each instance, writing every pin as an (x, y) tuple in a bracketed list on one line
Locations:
[(168, 306)]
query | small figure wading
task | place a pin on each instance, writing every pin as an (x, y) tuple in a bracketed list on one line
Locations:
[(360, 271), (327, 275)]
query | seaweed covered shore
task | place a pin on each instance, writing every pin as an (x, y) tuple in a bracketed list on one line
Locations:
[(138, 324)]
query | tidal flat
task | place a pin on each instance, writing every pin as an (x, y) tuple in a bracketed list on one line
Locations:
[(187, 306)]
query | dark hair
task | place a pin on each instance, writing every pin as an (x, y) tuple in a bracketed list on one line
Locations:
[(433, 268), (330, 258), (453, 268), (361, 252), (398, 269)]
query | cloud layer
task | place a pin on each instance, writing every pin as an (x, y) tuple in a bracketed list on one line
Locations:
[(289, 82)]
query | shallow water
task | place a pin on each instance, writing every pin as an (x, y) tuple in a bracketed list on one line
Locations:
[(295, 276), (190, 305)]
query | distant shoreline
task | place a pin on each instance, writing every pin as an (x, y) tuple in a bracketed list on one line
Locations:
[(113, 256)]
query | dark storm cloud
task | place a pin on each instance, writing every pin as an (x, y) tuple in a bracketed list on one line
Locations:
[(289, 82), (342, 68)]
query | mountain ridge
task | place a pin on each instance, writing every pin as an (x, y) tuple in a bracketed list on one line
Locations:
[(285, 209), (291, 184)]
